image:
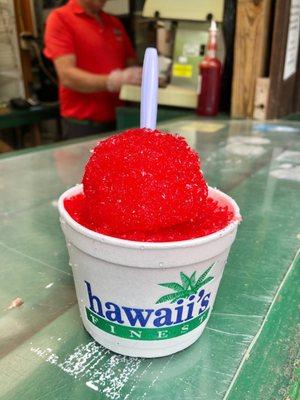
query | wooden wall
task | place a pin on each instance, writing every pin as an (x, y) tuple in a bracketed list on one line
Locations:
[(250, 50), (25, 23), (261, 88)]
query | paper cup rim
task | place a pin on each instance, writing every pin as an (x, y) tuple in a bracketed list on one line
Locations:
[(99, 237)]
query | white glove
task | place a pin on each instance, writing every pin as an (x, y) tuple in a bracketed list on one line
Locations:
[(119, 77)]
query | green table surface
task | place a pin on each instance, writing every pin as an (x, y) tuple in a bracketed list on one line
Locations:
[(250, 347), (13, 118)]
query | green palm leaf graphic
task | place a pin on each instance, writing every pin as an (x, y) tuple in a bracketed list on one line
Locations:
[(173, 285), (188, 286), (172, 297), (203, 276), (193, 280), (185, 280), (202, 283)]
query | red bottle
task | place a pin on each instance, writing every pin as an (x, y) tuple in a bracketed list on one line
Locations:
[(210, 70)]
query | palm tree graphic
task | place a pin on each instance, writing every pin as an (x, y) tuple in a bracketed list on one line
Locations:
[(188, 286)]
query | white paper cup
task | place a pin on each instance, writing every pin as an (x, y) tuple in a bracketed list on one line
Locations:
[(146, 299)]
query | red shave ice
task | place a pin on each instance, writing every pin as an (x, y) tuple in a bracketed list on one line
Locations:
[(146, 185), (142, 180)]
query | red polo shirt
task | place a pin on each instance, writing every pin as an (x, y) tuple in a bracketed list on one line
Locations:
[(98, 49)]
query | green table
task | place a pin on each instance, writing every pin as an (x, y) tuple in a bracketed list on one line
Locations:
[(15, 119), (250, 347), (33, 115)]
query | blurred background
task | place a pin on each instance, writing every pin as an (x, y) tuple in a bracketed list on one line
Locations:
[(258, 43)]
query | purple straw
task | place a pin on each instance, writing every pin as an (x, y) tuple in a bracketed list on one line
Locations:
[(149, 89)]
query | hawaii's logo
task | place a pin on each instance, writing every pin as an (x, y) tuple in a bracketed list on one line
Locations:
[(188, 308)]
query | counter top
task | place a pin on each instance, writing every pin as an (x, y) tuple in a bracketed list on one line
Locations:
[(249, 347)]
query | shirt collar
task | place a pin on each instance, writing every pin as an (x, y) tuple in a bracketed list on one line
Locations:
[(76, 8)]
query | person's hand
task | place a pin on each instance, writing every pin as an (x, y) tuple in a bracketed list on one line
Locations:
[(119, 77)]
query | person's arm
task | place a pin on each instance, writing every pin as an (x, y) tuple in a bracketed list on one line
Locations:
[(60, 48), (82, 81), (77, 79)]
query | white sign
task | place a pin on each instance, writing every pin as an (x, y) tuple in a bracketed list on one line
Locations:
[(291, 55)]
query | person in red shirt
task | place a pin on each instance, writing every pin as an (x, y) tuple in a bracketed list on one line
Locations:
[(93, 57)]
